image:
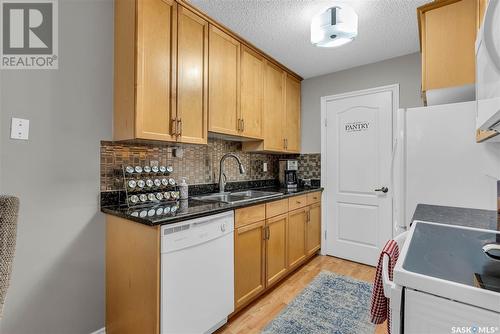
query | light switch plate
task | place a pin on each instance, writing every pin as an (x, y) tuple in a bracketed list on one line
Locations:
[(19, 128), (264, 166)]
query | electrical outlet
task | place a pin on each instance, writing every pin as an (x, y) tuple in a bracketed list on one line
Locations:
[(154, 163), (19, 128), (264, 166), (178, 152)]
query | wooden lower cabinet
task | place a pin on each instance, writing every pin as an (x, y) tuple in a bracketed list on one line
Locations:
[(276, 248), (132, 277), (297, 221), (249, 262), (270, 242), (313, 229)]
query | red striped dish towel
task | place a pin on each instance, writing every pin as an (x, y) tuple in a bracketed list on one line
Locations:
[(380, 305)]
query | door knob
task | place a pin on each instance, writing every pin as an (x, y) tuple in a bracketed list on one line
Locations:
[(383, 189)]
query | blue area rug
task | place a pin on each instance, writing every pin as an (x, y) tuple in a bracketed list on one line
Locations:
[(330, 304)]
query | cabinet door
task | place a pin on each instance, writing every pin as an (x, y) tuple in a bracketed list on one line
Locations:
[(296, 236), (224, 87), (448, 44), (155, 101), (192, 75), (313, 229), (276, 247), (249, 262), (274, 108), (252, 93), (292, 107)]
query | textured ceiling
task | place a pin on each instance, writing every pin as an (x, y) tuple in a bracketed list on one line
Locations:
[(281, 28)]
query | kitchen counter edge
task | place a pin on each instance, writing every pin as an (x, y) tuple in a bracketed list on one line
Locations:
[(212, 208), (467, 217)]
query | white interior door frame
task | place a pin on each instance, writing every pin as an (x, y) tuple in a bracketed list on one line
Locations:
[(394, 89)]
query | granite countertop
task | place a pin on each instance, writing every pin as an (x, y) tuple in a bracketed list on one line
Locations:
[(189, 209), (484, 219)]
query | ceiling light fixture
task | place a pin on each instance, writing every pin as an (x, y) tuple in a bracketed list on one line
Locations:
[(336, 26)]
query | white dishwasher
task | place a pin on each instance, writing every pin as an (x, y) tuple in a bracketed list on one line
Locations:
[(197, 274)]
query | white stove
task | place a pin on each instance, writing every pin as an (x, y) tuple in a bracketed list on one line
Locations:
[(445, 283)]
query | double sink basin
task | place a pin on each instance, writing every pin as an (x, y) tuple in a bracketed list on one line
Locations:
[(238, 196)]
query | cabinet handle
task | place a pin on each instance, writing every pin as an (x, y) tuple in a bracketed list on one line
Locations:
[(268, 233), (238, 125), (174, 127), (284, 143), (242, 124), (179, 124)]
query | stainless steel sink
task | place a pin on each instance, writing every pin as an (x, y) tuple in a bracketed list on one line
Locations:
[(238, 196)]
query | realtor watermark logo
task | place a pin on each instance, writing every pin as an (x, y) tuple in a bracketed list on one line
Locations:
[(29, 34)]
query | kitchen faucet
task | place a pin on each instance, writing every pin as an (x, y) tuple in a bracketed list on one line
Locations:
[(222, 175)]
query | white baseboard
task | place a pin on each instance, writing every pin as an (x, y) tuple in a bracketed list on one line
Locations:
[(100, 331)]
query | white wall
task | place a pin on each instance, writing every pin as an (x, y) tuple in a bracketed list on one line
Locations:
[(57, 285), (405, 70)]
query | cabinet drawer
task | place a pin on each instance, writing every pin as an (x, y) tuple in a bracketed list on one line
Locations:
[(297, 202), (249, 215), (313, 198), (276, 208)]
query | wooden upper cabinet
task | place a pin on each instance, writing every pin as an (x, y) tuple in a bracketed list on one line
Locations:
[(249, 262), (292, 110), (180, 74), (192, 77), (276, 248), (252, 93), (447, 37), (281, 121), (144, 104), (224, 85), (274, 108)]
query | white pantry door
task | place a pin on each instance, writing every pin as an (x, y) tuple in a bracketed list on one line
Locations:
[(358, 151)]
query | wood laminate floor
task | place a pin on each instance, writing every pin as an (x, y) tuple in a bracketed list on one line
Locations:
[(255, 317)]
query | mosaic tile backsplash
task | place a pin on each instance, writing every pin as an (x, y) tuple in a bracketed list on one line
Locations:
[(199, 163), (309, 166)]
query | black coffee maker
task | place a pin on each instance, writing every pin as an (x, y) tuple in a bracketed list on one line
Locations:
[(288, 173)]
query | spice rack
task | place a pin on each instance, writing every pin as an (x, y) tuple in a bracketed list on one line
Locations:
[(149, 185)]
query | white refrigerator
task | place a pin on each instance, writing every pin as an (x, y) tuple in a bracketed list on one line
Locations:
[(437, 161)]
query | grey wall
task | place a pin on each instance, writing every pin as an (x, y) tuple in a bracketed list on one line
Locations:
[(405, 70), (58, 279)]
